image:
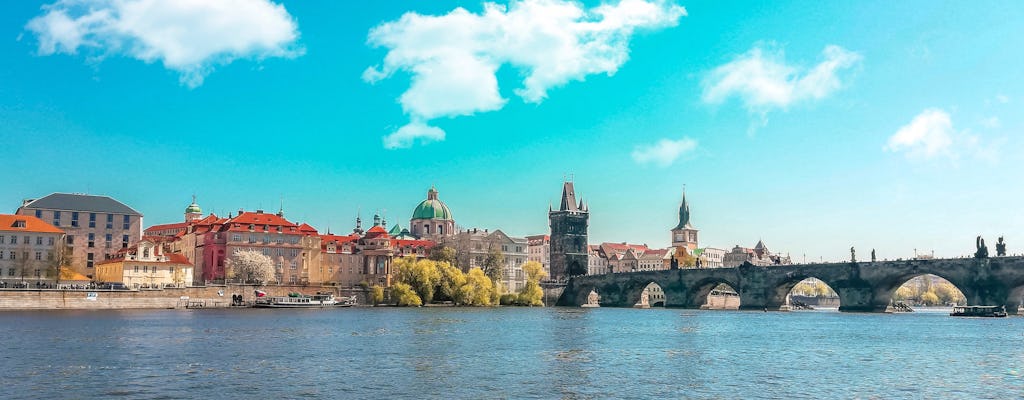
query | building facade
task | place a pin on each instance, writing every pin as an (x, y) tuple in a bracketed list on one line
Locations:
[(538, 249), (96, 227), (568, 236), (146, 265), (758, 256), (29, 249), (473, 246)]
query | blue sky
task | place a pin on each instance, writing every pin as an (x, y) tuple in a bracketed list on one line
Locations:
[(814, 127)]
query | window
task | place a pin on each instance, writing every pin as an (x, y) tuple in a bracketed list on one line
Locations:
[(49, 241), (109, 237), (145, 268), (37, 273), (49, 256), (293, 265), (252, 238), (124, 241), (1, 255), (39, 256), (1, 239), (136, 268), (28, 239), (74, 218), (127, 222), (236, 237), (14, 239), (56, 218), (39, 214), (154, 269), (92, 240), (39, 240), (171, 270), (110, 221), (92, 220), (10, 272)]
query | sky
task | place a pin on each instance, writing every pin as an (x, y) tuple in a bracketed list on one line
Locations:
[(814, 127)]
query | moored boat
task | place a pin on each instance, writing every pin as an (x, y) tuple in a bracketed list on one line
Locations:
[(978, 311), (296, 300)]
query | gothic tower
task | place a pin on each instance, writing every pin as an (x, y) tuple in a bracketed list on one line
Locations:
[(568, 236), (684, 234)]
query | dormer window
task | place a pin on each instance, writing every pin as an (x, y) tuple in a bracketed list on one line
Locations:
[(252, 227), (19, 223)]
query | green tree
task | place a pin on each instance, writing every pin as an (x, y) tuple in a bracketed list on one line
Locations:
[(451, 281), (403, 295), (532, 294), (442, 253), (422, 275), (376, 294), (477, 289), (684, 258), (494, 264)]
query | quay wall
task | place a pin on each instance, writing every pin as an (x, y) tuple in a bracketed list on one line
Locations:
[(196, 297)]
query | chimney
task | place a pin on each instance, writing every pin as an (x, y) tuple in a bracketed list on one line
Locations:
[(240, 211), (259, 211), (24, 202)]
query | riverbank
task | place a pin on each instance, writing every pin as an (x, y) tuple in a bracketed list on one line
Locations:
[(188, 297)]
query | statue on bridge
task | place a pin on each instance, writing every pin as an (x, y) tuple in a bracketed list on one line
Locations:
[(853, 255), (982, 250), (1001, 248), (873, 255)]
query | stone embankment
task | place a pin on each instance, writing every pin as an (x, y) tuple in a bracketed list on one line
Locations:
[(190, 297)]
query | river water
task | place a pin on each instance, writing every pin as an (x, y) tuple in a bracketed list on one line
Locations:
[(478, 353)]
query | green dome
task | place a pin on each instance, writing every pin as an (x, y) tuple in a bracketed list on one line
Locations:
[(432, 208), (193, 208)]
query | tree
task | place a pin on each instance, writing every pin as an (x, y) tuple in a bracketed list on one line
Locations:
[(532, 294), (477, 289), (684, 258), (451, 281), (23, 265), (442, 253), (250, 266), (376, 295), (494, 264), (58, 261), (421, 275), (929, 298), (404, 296)]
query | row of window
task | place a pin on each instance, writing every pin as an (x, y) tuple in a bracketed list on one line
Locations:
[(125, 219), (147, 269), (11, 272), (12, 255), (13, 239), (92, 240), (266, 238)]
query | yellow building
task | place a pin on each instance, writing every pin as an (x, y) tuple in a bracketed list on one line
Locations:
[(145, 265)]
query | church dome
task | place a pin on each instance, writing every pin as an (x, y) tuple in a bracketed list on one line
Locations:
[(193, 208), (432, 208)]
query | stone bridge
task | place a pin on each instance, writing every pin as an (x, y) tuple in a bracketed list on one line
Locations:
[(861, 286)]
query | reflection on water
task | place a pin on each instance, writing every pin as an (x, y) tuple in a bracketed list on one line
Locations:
[(508, 353)]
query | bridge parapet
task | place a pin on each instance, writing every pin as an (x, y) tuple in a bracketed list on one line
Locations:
[(862, 287)]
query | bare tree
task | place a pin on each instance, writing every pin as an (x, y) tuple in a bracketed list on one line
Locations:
[(58, 261), (23, 264)]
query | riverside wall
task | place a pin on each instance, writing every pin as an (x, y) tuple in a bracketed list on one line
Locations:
[(189, 297)]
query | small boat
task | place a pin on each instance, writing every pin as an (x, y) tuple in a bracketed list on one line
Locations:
[(978, 311), (296, 300), (346, 301)]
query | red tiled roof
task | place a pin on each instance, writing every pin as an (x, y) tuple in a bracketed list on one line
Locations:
[(32, 224), (164, 227), (376, 232), (325, 239), (306, 228)]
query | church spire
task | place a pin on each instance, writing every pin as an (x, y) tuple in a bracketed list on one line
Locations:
[(684, 214)]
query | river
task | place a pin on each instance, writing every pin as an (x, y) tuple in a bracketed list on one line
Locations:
[(477, 353)]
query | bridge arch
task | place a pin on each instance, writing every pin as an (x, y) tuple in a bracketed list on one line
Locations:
[(885, 293), (697, 294), (780, 295)]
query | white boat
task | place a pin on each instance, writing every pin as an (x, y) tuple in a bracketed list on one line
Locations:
[(296, 300)]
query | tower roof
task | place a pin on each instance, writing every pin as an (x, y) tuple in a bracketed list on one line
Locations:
[(193, 208), (432, 208), (568, 198), (684, 215)]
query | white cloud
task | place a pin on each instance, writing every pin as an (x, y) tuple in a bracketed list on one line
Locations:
[(407, 135), (1002, 98), (664, 152), (187, 36), (991, 122), (929, 134), (762, 80), (453, 58)]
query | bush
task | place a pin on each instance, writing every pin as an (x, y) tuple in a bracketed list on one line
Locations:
[(508, 300)]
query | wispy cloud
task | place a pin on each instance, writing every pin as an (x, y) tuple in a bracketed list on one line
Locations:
[(931, 134), (763, 81), (453, 58), (412, 132), (664, 152), (190, 37)]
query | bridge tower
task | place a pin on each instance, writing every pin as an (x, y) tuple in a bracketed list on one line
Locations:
[(568, 235), (684, 235)]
